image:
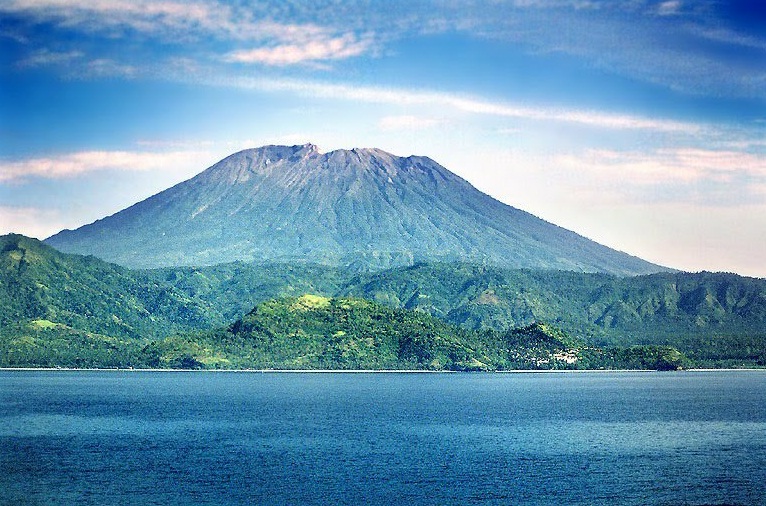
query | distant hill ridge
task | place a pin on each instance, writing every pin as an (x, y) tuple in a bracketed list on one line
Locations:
[(363, 208), (55, 304)]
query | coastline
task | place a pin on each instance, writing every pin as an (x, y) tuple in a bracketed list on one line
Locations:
[(370, 371)]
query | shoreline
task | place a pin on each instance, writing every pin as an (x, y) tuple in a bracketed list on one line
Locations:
[(369, 371)]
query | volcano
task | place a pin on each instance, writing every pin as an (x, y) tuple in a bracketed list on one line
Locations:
[(362, 208)]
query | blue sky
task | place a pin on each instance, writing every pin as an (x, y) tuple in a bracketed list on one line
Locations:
[(639, 124)]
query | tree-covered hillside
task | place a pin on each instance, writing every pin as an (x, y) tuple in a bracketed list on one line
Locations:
[(716, 319), (313, 332), (711, 316), (231, 290), (85, 293), (319, 332), (88, 294)]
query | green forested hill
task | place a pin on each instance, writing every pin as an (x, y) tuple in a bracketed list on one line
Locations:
[(37, 282), (709, 315), (231, 290), (314, 332), (318, 332), (40, 283), (717, 319)]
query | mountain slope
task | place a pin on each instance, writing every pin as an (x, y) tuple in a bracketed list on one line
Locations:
[(39, 284), (313, 332), (710, 316), (318, 332), (310, 332), (60, 309), (363, 207), (87, 294)]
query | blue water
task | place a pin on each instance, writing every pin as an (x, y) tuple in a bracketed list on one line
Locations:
[(118, 438)]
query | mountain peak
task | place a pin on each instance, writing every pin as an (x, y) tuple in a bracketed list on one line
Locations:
[(362, 207)]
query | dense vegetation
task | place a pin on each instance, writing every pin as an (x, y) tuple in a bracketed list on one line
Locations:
[(318, 332), (314, 332), (231, 290), (39, 283), (53, 305), (42, 343), (716, 318)]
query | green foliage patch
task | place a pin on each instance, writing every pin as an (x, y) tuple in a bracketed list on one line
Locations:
[(49, 297)]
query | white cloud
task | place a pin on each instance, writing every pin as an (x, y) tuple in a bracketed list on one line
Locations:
[(106, 67), (74, 164), (552, 4), (320, 49), (174, 144), (729, 37), (677, 165), (647, 47), (707, 177), (139, 15), (669, 8), (744, 144), (396, 96), (46, 57), (616, 36), (276, 43)]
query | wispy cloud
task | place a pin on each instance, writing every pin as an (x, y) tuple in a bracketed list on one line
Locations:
[(74, 164), (727, 36), (549, 4), (666, 44), (272, 43), (716, 177), (682, 164), (45, 57), (669, 8), (466, 104), (320, 49), (106, 67), (175, 144), (137, 15)]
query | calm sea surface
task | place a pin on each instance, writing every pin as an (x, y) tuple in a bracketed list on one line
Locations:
[(115, 438)]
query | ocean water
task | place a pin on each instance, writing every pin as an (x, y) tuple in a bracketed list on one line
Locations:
[(119, 438)]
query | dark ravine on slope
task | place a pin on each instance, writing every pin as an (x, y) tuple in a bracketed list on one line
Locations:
[(363, 208)]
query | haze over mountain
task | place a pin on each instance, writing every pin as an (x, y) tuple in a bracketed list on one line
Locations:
[(361, 207)]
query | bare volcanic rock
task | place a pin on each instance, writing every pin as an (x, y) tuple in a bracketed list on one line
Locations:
[(362, 207)]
